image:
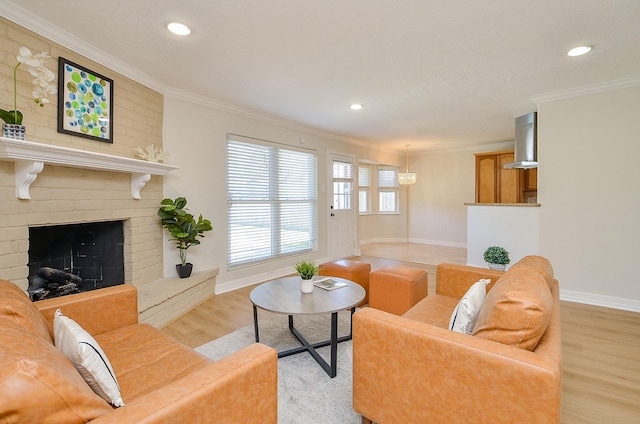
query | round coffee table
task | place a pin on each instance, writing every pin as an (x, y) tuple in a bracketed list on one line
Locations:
[(283, 296)]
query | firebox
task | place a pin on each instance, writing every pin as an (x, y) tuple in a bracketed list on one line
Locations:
[(93, 251)]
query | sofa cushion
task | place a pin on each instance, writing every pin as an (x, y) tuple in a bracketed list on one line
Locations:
[(145, 359), (88, 358), (434, 309), (39, 384), (17, 307), (538, 264), (464, 316), (517, 309)]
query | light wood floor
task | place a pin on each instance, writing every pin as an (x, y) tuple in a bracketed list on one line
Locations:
[(600, 346)]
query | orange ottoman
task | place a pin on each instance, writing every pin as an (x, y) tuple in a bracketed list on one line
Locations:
[(396, 288), (355, 271)]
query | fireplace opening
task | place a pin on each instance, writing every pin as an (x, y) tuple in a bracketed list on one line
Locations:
[(94, 252)]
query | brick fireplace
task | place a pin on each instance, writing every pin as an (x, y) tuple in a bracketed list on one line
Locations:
[(63, 195), (52, 186)]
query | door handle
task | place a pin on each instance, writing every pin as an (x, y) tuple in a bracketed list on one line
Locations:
[(333, 214)]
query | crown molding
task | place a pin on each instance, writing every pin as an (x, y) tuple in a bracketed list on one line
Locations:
[(477, 148), (589, 89), (18, 15), (263, 117)]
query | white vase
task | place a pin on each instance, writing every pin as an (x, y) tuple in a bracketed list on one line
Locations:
[(14, 131), (306, 286), (500, 267)]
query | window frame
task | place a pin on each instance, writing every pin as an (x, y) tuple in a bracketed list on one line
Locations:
[(393, 188), (272, 200), (364, 189)]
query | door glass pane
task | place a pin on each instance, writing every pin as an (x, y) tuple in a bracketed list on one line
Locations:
[(341, 195)]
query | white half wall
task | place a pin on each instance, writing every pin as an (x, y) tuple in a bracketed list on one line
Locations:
[(513, 227)]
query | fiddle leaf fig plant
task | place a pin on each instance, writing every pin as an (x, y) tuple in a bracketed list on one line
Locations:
[(182, 225)]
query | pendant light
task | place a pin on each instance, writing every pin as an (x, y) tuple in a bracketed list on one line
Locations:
[(407, 178)]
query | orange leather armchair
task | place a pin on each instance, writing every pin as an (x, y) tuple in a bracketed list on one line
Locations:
[(160, 379), (412, 369)]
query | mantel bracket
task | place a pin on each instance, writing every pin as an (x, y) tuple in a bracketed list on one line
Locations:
[(138, 181), (26, 173)]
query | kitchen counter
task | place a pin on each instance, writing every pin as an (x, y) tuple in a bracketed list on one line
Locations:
[(526, 205)]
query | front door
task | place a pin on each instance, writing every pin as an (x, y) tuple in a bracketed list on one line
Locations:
[(341, 208)]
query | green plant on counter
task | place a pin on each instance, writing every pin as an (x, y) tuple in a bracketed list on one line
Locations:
[(307, 269), (496, 255)]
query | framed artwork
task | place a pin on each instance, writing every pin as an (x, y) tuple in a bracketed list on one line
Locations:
[(85, 102)]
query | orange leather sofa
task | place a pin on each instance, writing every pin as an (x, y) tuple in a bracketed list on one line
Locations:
[(413, 369), (160, 379)]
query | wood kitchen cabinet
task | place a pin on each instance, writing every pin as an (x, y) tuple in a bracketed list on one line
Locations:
[(494, 184)]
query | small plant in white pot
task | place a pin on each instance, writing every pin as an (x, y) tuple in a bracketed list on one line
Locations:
[(497, 257), (306, 269)]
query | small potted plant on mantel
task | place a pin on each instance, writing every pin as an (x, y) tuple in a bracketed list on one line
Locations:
[(306, 269), (496, 257), (184, 229)]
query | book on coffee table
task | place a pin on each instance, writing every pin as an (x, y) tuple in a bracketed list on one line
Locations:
[(328, 284)]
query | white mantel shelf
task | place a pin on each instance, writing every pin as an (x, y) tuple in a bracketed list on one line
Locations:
[(30, 157)]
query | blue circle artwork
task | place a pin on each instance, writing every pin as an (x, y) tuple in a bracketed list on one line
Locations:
[(86, 99)]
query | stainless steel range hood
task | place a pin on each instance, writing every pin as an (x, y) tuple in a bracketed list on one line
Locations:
[(526, 145)]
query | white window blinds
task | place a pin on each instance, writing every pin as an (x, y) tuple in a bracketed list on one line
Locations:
[(271, 200), (387, 190)]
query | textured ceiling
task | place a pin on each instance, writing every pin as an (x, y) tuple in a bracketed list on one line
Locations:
[(430, 73)]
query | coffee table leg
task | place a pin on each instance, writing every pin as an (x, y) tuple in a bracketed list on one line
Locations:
[(334, 345), (353, 311), (255, 323)]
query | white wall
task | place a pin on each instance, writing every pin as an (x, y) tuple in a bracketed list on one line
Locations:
[(446, 181), (589, 154), (195, 137)]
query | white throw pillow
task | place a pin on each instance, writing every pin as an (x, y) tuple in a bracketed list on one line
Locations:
[(464, 316), (88, 358)]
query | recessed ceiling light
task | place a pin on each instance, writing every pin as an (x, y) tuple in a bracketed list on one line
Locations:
[(178, 28), (356, 106), (579, 51)]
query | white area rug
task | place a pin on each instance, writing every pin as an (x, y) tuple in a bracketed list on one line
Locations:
[(305, 392)]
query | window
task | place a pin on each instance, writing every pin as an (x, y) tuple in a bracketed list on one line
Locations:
[(387, 189), (271, 200), (364, 189)]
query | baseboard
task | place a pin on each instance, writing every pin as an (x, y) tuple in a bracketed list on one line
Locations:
[(227, 286), (383, 240), (600, 300), (443, 243)]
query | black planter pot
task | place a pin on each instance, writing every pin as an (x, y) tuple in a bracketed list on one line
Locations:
[(184, 271)]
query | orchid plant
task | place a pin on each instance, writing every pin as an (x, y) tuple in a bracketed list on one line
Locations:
[(41, 83)]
